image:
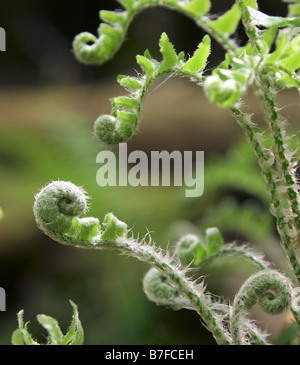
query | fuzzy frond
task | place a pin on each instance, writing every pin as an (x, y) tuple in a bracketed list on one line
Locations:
[(123, 121)]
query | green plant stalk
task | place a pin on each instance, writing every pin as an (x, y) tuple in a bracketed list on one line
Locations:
[(201, 21), (250, 30), (183, 285), (265, 162), (287, 223), (231, 250), (176, 277), (284, 164)]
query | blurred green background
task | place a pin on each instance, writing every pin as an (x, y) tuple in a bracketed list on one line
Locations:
[(48, 103)]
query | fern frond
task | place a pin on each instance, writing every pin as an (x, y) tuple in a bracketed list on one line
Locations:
[(121, 124)]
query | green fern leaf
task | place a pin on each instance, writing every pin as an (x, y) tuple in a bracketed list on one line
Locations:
[(168, 52), (198, 7), (198, 61), (146, 65), (228, 22)]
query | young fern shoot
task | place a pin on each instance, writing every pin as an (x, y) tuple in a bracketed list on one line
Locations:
[(59, 207)]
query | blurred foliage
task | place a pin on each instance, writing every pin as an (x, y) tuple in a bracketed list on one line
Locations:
[(290, 336), (235, 197)]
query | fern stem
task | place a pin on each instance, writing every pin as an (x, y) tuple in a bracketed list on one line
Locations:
[(201, 21), (156, 258), (285, 166), (265, 160), (231, 250), (250, 29)]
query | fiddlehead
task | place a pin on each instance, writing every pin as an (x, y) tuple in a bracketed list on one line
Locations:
[(270, 289), (197, 252), (57, 209), (90, 49), (167, 283), (159, 290), (226, 86), (121, 124), (74, 231)]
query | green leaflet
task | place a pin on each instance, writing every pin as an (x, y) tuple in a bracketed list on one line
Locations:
[(113, 18), (251, 3), (125, 102), (168, 52), (262, 19), (147, 65), (293, 47), (114, 228), (27, 339), (294, 10), (131, 83), (279, 51), (52, 326), (74, 335), (228, 22), (17, 337), (83, 229), (214, 240), (288, 59), (269, 36), (198, 61), (198, 7), (292, 62), (286, 81)]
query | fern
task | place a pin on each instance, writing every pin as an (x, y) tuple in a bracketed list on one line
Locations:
[(59, 206)]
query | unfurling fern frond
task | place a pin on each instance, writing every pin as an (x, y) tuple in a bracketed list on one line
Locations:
[(91, 49), (121, 124)]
